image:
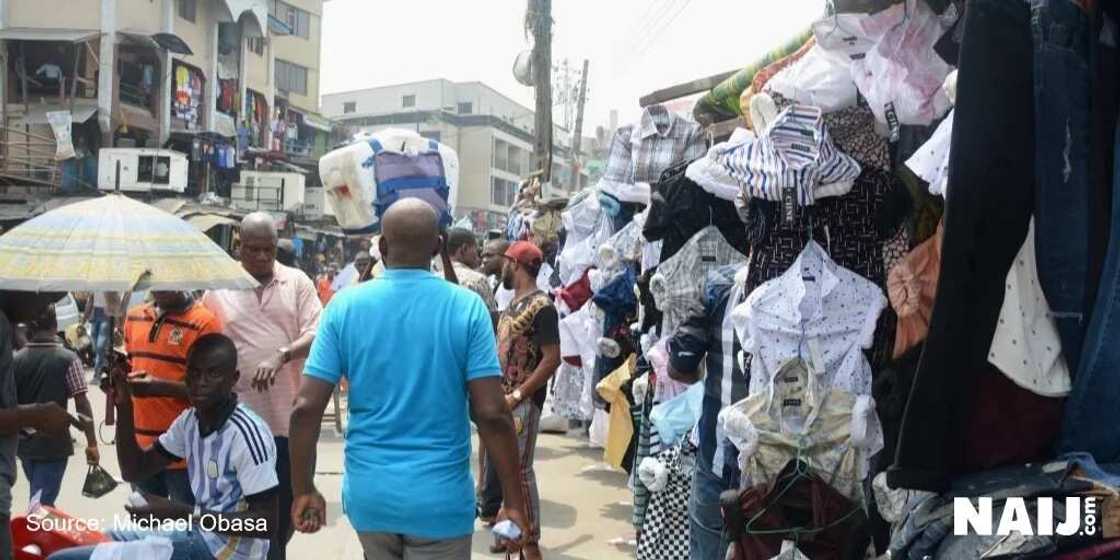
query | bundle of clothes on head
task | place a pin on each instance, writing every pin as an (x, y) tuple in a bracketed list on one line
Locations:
[(893, 286)]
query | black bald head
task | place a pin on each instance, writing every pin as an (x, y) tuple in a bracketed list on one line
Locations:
[(409, 234)]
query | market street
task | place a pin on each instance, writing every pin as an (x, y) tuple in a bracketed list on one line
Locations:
[(583, 506)]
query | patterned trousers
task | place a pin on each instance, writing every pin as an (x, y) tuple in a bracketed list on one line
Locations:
[(527, 419)]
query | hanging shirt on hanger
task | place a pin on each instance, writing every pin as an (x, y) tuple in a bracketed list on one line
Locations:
[(678, 283), (618, 176), (834, 432), (679, 208), (661, 140), (817, 311), (795, 152)]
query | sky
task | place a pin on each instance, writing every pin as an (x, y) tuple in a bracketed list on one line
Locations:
[(635, 47)]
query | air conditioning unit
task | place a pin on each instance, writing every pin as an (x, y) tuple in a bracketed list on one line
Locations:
[(141, 170), (269, 190)]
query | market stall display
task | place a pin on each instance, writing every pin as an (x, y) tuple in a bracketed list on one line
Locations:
[(867, 282)]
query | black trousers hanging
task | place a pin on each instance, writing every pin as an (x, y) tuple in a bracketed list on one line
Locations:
[(989, 204)]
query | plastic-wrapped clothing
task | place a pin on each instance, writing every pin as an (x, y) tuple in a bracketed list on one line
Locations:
[(653, 474), (350, 174), (821, 78), (587, 227), (675, 417), (902, 75)]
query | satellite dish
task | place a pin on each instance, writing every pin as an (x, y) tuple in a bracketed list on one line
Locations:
[(523, 68)]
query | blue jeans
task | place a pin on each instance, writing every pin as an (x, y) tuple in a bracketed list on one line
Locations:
[(187, 545), (173, 484), (99, 336), (1063, 136), (706, 538), (1096, 384), (45, 477)]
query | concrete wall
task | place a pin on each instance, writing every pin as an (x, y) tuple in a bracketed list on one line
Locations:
[(431, 95), (200, 35), (139, 15), (304, 52), (71, 14), (475, 155)]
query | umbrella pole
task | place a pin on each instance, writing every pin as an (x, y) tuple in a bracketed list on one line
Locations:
[(110, 398)]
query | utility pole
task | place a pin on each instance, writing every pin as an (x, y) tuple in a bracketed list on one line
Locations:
[(577, 139), (540, 18)]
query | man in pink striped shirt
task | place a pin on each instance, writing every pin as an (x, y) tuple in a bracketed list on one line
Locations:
[(273, 327)]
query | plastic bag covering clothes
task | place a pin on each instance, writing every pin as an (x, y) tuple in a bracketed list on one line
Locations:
[(711, 174), (61, 123), (654, 474), (789, 552), (675, 417), (901, 76), (349, 177), (566, 392), (597, 433), (624, 245), (151, 548), (588, 227), (821, 78), (931, 162)]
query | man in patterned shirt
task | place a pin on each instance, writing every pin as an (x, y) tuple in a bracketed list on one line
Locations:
[(463, 248), (529, 352)]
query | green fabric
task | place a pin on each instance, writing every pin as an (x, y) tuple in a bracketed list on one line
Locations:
[(722, 102)]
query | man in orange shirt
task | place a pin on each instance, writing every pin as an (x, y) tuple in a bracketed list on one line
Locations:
[(323, 286), (158, 336)]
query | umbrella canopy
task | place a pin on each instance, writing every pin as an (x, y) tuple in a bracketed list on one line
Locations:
[(114, 243)]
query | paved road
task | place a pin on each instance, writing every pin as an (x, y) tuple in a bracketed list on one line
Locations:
[(584, 507)]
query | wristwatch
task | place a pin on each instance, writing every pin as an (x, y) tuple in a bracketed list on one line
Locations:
[(286, 354), (517, 396)]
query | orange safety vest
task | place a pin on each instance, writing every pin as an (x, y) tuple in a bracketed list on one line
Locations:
[(158, 345)]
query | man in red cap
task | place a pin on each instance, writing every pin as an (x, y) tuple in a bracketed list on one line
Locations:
[(529, 352)]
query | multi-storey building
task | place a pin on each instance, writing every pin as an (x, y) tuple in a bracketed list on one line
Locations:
[(492, 134), (192, 75)]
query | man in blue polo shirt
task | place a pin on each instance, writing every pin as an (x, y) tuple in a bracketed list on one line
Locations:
[(420, 357)]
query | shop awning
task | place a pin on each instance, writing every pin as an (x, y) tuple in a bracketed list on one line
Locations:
[(48, 34), (316, 121), (37, 113), (207, 222), (258, 9), (170, 41)]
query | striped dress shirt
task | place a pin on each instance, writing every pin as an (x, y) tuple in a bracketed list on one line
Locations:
[(796, 152)]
